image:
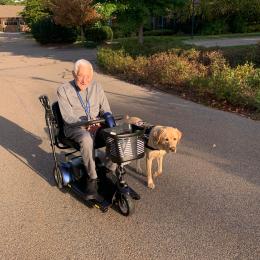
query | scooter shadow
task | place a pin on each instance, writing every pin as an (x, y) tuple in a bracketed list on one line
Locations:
[(25, 147), (131, 171)]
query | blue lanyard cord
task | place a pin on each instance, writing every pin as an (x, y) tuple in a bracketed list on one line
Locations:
[(85, 107)]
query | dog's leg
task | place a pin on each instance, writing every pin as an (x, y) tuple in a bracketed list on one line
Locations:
[(159, 164), (150, 182), (138, 166)]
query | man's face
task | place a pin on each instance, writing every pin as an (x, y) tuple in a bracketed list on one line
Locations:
[(84, 76)]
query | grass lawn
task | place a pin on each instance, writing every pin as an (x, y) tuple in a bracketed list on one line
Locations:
[(152, 44)]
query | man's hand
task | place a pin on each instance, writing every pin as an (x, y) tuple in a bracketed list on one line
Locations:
[(93, 128)]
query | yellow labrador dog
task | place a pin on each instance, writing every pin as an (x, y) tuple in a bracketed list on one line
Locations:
[(161, 140)]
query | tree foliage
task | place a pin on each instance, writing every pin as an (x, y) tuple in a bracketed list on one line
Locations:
[(106, 11), (235, 14), (73, 12), (133, 14), (248, 9), (34, 10)]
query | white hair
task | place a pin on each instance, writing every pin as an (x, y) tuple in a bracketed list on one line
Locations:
[(81, 62)]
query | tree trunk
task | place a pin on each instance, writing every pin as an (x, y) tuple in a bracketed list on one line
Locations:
[(154, 23), (82, 35), (141, 34)]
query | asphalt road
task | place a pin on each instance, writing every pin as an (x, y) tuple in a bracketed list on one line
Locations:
[(204, 206)]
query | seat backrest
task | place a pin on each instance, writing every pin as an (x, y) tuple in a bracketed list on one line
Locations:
[(61, 140), (59, 120)]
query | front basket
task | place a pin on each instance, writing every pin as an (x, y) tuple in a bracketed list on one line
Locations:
[(124, 143)]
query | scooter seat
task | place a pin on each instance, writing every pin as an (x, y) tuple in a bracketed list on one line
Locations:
[(61, 140)]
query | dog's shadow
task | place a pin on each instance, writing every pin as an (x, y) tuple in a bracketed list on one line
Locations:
[(140, 177)]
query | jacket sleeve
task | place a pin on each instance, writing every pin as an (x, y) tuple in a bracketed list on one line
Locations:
[(65, 107)]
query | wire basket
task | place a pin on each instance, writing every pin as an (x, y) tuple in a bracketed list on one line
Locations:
[(124, 143)]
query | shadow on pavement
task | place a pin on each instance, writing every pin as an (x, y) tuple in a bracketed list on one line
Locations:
[(20, 44), (25, 146)]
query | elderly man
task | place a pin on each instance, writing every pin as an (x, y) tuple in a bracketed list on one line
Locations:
[(83, 99)]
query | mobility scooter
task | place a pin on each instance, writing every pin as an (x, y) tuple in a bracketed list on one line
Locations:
[(124, 143)]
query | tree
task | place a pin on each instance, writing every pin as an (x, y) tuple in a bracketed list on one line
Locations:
[(236, 13), (73, 13), (34, 10), (106, 11), (134, 14)]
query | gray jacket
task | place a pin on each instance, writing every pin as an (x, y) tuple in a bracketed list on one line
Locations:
[(71, 108)]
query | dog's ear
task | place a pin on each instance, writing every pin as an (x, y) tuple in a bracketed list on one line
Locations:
[(179, 133), (157, 134)]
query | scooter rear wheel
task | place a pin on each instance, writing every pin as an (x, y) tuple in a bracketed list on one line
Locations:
[(58, 177), (126, 205)]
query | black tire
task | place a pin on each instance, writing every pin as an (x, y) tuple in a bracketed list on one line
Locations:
[(58, 177), (125, 204)]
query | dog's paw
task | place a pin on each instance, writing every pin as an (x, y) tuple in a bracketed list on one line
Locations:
[(151, 185), (156, 174)]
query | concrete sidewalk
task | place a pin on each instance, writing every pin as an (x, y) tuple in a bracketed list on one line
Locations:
[(225, 42)]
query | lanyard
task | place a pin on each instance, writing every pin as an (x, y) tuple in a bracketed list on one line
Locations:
[(85, 107)]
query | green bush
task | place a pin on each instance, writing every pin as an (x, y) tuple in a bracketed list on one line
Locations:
[(257, 54), (253, 28), (121, 31), (172, 69), (240, 55), (215, 27), (238, 86), (99, 34), (109, 32), (46, 31), (237, 24), (202, 72)]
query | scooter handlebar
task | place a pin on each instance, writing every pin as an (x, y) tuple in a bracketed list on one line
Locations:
[(93, 122)]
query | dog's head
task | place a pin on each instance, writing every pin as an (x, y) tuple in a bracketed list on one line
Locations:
[(166, 138)]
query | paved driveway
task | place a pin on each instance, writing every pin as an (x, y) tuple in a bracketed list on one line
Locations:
[(204, 206)]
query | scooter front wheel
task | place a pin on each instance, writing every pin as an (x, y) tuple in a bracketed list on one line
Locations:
[(126, 205), (58, 177)]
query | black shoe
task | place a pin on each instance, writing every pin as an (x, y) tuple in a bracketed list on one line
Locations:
[(92, 190)]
